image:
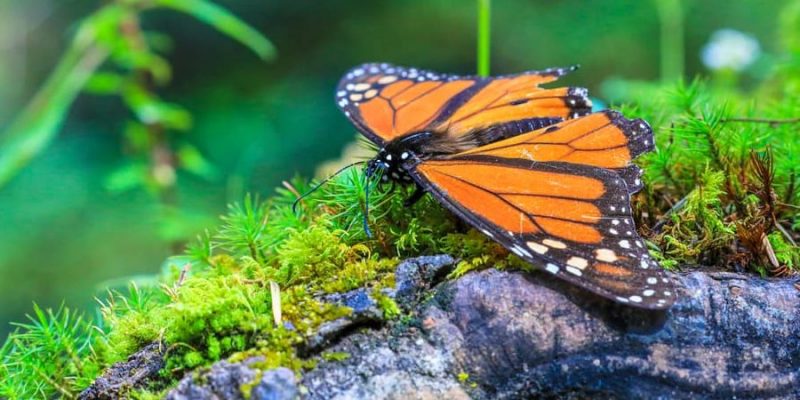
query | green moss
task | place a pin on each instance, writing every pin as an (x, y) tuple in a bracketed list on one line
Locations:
[(387, 305), (335, 356)]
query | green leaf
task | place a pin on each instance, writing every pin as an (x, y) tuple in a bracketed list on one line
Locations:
[(225, 22), (193, 161), (105, 83)]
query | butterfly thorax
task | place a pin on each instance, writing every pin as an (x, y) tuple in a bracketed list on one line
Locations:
[(398, 156)]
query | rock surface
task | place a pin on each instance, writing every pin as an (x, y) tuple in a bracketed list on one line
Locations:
[(225, 381), (515, 335), (133, 373), (507, 335)]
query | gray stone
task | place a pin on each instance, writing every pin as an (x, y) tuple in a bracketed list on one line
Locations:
[(123, 377), (276, 384), (516, 335)]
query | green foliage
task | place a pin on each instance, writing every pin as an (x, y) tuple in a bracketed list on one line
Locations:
[(113, 35), (724, 175), (51, 354), (698, 228)]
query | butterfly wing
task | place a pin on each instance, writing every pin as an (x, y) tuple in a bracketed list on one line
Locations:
[(572, 220), (605, 139), (386, 101)]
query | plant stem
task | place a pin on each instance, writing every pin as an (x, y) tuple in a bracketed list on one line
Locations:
[(484, 36), (763, 120), (38, 123), (670, 14)]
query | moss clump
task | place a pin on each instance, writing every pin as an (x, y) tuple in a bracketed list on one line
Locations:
[(335, 356)]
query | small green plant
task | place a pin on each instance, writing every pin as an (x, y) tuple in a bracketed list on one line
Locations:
[(50, 354)]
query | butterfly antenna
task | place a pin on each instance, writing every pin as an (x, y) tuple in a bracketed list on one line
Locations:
[(324, 181)]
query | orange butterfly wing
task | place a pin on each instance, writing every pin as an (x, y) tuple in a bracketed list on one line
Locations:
[(386, 101), (572, 220), (516, 98), (605, 139)]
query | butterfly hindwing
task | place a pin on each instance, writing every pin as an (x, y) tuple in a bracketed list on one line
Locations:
[(604, 139), (571, 220), (386, 101)]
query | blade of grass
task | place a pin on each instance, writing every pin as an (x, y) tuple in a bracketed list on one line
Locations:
[(484, 36), (670, 14), (38, 123), (225, 22)]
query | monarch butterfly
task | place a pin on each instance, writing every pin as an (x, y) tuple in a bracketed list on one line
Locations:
[(530, 167)]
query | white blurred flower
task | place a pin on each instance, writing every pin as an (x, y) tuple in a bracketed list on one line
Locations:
[(730, 48)]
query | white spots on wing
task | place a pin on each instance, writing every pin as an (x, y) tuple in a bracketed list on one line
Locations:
[(615, 222), (356, 96), (612, 208), (665, 280), (613, 231), (554, 244), (343, 102), (667, 293), (551, 268), (360, 87), (626, 221), (358, 72), (643, 263), (625, 244), (388, 157), (485, 232), (642, 126), (516, 249), (538, 248), (349, 86), (404, 155), (622, 299), (637, 182), (341, 93), (347, 113), (636, 299), (606, 255), (648, 292), (578, 262), (652, 280), (639, 244), (574, 271), (628, 233), (370, 93)]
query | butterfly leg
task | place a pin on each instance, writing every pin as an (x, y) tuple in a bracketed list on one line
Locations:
[(418, 193)]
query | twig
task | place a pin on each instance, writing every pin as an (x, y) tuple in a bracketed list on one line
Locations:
[(665, 218), (785, 233), (762, 120)]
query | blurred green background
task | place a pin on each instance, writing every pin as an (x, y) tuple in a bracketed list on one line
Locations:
[(73, 220)]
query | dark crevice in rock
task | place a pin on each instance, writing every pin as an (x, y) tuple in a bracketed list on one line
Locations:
[(136, 372)]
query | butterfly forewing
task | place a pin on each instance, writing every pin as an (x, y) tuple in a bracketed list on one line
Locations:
[(604, 139), (386, 101), (571, 220)]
